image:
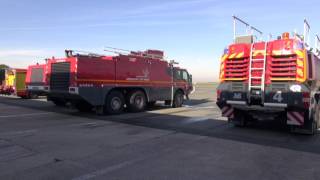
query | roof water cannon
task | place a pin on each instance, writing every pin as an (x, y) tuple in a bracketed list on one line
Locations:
[(286, 35), (173, 62)]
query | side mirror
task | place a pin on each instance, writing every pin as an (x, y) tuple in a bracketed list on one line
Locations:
[(190, 78)]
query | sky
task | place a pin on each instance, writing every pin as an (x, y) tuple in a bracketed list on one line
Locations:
[(192, 32)]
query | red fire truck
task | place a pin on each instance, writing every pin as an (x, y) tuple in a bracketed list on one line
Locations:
[(110, 83), (275, 79), (36, 80)]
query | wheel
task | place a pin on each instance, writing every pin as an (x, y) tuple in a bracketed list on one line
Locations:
[(114, 103), (315, 120), (167, 102), (178, 99), (59, 102), (33, 96), (317, 117), (136, 101), (83, 106), (151, 104), (239, 119), (311, 124)]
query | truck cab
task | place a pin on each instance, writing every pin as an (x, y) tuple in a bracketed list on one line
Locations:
[(185, 78)]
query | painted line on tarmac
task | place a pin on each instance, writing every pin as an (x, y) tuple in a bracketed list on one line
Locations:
[(199, 107), (23, 115), (19, 133), (107, 170), (195, 120)]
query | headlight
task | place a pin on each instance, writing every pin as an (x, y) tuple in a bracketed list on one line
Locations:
[(295, 88)]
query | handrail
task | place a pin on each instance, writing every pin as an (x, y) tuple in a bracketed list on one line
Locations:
[(248, 27), (306, 33), (317, 45)]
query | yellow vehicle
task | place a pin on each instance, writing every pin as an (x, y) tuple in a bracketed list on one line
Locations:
[(12, 82)]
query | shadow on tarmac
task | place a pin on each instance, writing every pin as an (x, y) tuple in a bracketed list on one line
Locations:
[(265, 133)]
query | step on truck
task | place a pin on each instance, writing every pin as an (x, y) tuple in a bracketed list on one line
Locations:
[(108, 84), (36, 80), (275, 79), (12, 82)]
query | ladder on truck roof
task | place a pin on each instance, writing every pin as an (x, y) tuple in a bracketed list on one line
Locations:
[(258, 88)]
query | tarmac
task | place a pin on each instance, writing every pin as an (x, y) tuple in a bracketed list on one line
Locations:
[(41, 141)]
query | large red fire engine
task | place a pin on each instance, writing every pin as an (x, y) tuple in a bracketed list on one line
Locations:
[(274, 79), (110, 83)]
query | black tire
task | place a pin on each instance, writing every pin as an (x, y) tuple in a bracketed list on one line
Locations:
[(59, 102), (313, 125), (136, 101), (114, 103), (83, 106), (167, 102), (178, 99), (33, 96), (151, 104), (239, 119)]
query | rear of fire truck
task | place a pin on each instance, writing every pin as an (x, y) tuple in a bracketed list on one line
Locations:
[(277, 79)]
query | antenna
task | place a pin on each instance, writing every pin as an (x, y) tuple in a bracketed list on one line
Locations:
[(70, 53), (118, 49), (132, 53)]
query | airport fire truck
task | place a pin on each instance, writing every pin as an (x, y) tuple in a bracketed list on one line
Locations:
[(36, 80), (275, 79), (12, 82), (108, 84)]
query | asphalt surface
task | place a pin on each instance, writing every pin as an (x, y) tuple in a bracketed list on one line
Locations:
[(41, 141)]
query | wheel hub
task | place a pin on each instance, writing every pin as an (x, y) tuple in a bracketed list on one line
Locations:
[(116, 103)]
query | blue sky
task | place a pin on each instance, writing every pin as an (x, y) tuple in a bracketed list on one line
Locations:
[(193, 32)]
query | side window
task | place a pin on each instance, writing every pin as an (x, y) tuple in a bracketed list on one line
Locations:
[(185, 76), (177, 74)]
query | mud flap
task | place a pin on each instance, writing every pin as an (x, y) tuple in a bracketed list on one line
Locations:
[(227, 111), (295, 118), (301, 123)]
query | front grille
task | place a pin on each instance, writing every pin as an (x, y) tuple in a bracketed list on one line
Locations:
[(36, 75), (60, 76)]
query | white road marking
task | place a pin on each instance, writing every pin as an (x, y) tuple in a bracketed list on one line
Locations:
[(106, 170), (199, 107), (195, 119), (23, 115), (19, 133)]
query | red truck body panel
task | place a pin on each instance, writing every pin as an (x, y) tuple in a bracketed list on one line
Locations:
[(285, 61), (37, 79), (95, 70)]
